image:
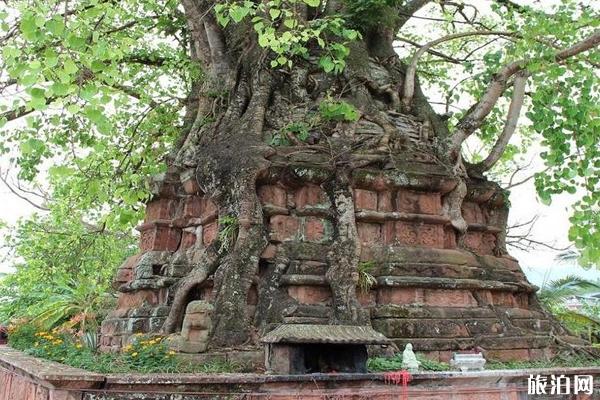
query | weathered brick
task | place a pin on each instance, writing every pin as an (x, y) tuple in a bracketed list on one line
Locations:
[(160, 209), (283, 228), (159, 237), (365, 199), (209, 209), (384, 201), (367, 299), (418, 202), (419, 328), (505, 299), (125, 271), (136, 299), (472, 213), (310, 195), (273, 195), (388, 232), (369, 233), (508, 355), (397, 295), (190, 185), (484, 327), (314, 229), (209, 233), (420, 234), (449, 238), (488, 243), (193, 207), (472, 241), (188, 239), (309, 294), (449, 298)]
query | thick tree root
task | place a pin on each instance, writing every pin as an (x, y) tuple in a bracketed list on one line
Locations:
[(344, 255), (205, 266)]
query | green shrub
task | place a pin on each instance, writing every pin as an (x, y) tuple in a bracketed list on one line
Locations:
[(144, 354)]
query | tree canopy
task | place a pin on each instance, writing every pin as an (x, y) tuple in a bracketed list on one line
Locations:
[(96, 95)]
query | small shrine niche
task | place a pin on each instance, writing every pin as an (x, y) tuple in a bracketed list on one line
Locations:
[(293, 349)]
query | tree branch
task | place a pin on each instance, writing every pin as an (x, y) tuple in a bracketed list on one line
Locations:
[(4, 179), (411, 71), (432, 52), (477, 113), (512, 117), (407, 10)]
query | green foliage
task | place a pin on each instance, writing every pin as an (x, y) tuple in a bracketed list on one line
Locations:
[(64, 272), (332, 110), (281, 29)]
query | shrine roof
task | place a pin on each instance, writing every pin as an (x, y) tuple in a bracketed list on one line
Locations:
[(335, 334)]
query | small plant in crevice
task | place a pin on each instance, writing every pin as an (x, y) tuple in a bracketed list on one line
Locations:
[(338, 110), (365, 279), (228, 228), (295, 131)]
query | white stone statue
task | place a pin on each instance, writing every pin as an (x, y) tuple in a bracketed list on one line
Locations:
[(409, 360)]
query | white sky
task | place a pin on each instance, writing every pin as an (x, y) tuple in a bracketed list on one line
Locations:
[(539, 265)]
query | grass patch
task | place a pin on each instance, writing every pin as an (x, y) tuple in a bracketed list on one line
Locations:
[(384, 364), (553, 363)]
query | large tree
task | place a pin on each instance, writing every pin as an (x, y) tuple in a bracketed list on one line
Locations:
[(113, 92)]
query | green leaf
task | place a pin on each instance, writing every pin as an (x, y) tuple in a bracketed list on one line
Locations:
[(312, 3), (239, 13), (274, 13)]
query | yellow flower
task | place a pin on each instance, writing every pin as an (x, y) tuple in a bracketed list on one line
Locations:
[(36, 344), (134, 354), (78, 345), (171, 353)]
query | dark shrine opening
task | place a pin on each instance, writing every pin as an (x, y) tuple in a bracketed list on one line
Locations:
[(330, 358)]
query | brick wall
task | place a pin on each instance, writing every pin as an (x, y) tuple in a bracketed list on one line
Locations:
[(419, 261)]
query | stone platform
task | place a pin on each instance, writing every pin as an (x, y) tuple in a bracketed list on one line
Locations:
[(26, 378)]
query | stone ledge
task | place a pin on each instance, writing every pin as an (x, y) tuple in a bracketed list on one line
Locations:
[(55, 374), (451, 283), (383, 216)]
